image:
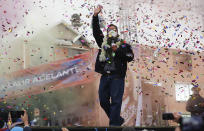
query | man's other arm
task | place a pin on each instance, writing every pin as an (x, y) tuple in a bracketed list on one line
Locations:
[(125, 52), (97, 33)]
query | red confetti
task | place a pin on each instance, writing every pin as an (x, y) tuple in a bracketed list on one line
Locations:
[(45, 119)]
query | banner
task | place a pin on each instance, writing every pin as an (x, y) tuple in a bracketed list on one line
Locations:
[(59, 74)]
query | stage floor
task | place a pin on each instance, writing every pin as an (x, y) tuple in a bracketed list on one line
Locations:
[(105, 128)]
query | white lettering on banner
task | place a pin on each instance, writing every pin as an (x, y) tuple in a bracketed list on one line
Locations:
[(65, 72), (52, 76), (41, 78), (35, 79), (48, 77), (59, 74)]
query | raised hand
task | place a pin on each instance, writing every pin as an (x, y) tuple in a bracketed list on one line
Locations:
[(98, 10)]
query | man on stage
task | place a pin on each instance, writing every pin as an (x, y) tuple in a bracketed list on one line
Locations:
[(111, 62)]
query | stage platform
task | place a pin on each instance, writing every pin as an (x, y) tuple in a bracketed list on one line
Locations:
[(104, 128)]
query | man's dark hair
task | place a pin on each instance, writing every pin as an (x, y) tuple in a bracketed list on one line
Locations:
[(114, 26)]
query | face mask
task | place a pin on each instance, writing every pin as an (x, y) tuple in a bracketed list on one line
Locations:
[(112, 33)]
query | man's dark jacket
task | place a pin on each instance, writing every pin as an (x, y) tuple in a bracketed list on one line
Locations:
[(120, 58)]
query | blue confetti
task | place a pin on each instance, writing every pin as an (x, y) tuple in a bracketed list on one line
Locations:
[(178, 25)]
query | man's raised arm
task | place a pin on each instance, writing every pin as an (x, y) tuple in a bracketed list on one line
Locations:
[(97, 33)]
